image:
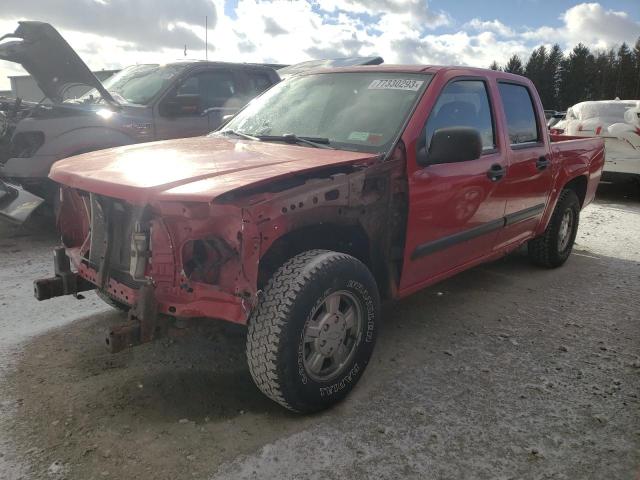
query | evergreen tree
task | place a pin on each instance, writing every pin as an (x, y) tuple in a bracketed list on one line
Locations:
[(514, 65), (580, 76), (626, 73), (534, 70), (550, 84), (609, 90), (636, 54), (576, 82)]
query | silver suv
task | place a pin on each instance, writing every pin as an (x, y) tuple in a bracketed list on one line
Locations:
[(142, 103)]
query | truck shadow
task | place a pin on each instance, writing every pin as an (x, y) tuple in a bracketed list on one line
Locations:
[(494, 327)]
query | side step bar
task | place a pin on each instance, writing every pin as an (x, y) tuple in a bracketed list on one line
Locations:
[(65, 282)]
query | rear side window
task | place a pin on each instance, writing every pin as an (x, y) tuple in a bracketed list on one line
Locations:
[(216, 89), (258, 83), (463, 103), (521, 117)]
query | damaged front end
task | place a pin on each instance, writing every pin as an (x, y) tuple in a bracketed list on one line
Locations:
[(165, 263)]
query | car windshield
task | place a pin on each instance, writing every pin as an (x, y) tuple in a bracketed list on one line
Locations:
[(136, 84), (361, 111)]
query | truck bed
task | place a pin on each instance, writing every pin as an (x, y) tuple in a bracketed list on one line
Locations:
[(579, 156)]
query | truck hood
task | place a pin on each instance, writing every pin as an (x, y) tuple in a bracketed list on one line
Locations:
[(192, 169), (50, 60)]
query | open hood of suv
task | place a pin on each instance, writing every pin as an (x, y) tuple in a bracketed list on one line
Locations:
[(195, 169), (54, 65)]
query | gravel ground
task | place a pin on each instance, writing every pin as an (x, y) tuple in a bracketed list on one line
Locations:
[(505, 371)]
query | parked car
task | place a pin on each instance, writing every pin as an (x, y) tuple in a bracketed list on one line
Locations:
[(139, 104), (333, 190), (555, 118), (618, 122)]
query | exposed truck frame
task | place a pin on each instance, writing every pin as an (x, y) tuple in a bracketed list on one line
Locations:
[(246, 229)]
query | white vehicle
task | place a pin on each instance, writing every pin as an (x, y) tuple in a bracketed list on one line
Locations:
[(618, 121)]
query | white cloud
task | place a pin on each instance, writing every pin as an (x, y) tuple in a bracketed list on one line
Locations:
[(412, 13), (590, 24), (495, 26), (283, 31)]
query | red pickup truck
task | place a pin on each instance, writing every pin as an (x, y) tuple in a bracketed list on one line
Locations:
[(331, 191)]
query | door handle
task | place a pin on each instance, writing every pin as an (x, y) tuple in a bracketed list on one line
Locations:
[(542, 163), (496, 172)]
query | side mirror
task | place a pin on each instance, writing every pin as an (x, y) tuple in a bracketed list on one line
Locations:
[(181, 105), (451, 144)]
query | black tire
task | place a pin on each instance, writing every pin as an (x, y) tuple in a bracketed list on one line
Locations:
[(278, 346), (112, 302), (547, 250)]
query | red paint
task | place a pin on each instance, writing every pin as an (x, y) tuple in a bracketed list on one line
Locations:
[(190, 169), (182, 179)]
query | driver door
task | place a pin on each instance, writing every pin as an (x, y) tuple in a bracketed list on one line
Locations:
[(454, 213)]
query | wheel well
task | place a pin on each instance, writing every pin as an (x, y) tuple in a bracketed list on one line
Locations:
[(578, 185), (349, 239)]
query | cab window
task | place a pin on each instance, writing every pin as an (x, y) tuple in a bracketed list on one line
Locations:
[(521, 117), (258, 83), (206, 90), (463, 103), (216, 89)]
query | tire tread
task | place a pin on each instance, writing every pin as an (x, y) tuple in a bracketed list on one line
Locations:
[(264, 345), (540, 249)]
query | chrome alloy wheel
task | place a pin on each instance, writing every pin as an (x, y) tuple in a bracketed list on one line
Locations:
[(566, 229), (331, 335)]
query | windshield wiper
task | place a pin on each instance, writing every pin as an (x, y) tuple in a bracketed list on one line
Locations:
[(238, 134), (317, 142)]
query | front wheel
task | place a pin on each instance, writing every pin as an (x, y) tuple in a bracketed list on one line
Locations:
[(313, 331), (553, 247)]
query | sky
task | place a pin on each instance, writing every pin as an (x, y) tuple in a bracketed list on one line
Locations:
[(115, 33)]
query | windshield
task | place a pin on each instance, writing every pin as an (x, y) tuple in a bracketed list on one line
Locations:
[(361, 111), (136, 84)]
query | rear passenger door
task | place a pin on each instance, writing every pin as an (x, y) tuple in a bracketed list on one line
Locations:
[(454, 214), (527, 184)]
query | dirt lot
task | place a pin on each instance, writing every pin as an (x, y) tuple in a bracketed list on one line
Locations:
[(506, 371)]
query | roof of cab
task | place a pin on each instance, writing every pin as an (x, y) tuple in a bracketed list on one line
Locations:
[(432, 69), (191, 63)]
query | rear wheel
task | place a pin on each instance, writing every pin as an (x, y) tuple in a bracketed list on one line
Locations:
[(313, 331), (553, 247)]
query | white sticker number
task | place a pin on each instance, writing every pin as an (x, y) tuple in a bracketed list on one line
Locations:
[(396, 84)]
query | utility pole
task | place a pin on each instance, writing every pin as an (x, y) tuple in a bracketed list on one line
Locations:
[(206, 38)]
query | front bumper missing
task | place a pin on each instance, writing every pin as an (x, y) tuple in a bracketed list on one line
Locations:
[(144, 323), (16, 204), (65, 282)]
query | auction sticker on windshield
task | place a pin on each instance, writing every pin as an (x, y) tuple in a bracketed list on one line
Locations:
[(396, 84)]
